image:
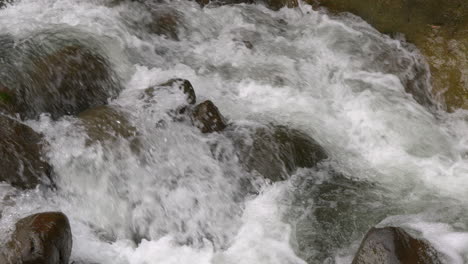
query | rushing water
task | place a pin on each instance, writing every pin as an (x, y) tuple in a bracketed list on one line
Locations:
[(181, 197)]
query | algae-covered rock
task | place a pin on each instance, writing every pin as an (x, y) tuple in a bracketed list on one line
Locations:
[(438, 28)]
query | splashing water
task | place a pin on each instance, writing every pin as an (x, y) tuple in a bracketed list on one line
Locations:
[(181, 197)]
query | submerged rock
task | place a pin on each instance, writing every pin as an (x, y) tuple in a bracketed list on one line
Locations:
[(207, 117), (392, 245), (438, 29), (277, 151), (4, 2), (21, 160), (64, 82), (43, 238), (164, 24), (106, 123), (185, 86)]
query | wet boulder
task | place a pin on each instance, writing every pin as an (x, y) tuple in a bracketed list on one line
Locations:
[(106, 122), (21, 155), (43, 238), (276, 151), (66, 81), (393, 245), (207, 117)]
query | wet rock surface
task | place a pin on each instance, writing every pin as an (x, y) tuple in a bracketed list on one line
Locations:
[(21, 155), (59, 81), (272, 4), (438, 29), (183, 85), (164, 24), (4, 2), (6, 100), (106, 123), (393, 245), (277, 151), (207, 117), (43, 238)]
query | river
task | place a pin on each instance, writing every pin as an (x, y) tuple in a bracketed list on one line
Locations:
[(180, 198)]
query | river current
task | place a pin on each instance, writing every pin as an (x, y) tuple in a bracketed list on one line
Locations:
[(180, 199)]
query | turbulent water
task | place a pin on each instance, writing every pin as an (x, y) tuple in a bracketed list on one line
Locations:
[(182, 199)]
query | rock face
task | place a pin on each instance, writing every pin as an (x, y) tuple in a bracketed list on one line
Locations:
[(439, 30), (21, 160), (207, 117), (277, 151), (65, 82), (43, 238), (392, 245)]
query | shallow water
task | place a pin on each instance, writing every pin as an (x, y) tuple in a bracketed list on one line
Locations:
[(182, 197)]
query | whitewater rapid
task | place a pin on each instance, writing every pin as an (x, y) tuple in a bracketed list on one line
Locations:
[(181, 199)]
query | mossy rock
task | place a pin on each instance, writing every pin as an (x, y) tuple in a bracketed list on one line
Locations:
[(21, 161), (438, 28), (43, 238)]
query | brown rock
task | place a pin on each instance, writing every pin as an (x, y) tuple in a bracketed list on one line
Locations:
[(21, 160), (207, 117), (392, 245), (43, 238)]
